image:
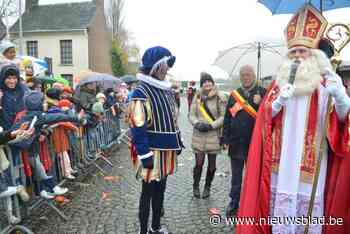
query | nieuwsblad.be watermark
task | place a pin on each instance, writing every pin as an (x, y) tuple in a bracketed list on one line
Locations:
[(217, 219)]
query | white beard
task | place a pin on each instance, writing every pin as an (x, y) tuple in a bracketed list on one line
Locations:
[(309, 73)]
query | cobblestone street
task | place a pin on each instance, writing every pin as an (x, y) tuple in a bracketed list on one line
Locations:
[(110, 206)]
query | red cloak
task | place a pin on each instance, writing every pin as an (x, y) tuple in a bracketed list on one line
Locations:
[(255, 198)]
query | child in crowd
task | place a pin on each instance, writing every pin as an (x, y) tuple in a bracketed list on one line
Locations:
[(8, 54), (98, 108), (61, 140), (34, 103)]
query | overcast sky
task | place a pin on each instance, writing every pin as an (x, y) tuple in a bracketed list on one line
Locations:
[(195, 30)]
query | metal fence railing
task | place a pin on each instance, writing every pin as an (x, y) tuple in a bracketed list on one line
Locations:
[(86, 147)]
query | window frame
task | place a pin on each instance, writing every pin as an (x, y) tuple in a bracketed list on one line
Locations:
[(31, 48), (66, 53)]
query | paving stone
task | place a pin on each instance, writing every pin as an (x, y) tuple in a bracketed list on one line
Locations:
[(89, 213)]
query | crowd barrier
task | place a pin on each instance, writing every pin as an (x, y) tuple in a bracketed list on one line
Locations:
[(87, 146)]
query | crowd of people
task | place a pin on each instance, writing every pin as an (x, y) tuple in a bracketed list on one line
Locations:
[(34, 114)]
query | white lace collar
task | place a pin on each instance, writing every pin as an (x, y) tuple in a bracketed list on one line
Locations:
[(161, 84)]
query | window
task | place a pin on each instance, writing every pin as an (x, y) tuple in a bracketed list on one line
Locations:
[(66, 52), (68, 77), (32, 48)]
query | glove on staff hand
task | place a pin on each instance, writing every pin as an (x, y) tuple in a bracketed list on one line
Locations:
[(335, 88), (334, 85)]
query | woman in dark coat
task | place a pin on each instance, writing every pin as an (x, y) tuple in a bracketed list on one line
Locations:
[(12, 95)]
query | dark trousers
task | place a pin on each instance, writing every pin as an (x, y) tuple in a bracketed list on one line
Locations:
[(163, 187), (152, 193), (237, 165)]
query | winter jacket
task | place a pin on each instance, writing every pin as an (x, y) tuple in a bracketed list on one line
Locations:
[(111, 101), (86, 98), (208, 142), (43, 119), (238, 130), (12, 101)]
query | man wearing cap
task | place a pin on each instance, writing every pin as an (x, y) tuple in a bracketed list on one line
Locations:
[(304, 118), (156, 140)]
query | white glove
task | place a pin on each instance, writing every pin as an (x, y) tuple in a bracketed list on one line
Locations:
[(286, 92), (334, 85), (336, 89)]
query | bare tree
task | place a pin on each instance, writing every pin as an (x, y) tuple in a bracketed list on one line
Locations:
[(115, 17), (8, 8), (124, 37)]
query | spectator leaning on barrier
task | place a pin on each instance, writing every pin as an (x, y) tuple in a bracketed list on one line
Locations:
[(6, 189), (238, 128), (206, 116), (53, 96), (61, 141), (12, 93), (87, 96), (67, 93), (34, 103), (156, 140), (110, 98)]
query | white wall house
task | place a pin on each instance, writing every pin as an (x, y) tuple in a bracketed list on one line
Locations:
[(69, 51), (73, 35)]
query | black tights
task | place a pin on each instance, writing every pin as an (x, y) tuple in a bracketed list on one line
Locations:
[(200, 157), (152, 192)]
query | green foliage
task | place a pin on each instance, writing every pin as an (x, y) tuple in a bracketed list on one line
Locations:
[(119, 59)]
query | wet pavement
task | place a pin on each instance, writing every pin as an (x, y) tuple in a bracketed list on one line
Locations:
[(109, 203)]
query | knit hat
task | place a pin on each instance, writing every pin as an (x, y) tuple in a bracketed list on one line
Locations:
[(154, 56), (5, 45), (34, 100), (206, 77), (54, 93), (65, 103), (11, 70), (100, 95)]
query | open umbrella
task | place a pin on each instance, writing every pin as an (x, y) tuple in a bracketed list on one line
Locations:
[(291, 6), (58, 78), (46, 79), (39, 65), (128, 79), (105, 81), (265, 56)]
